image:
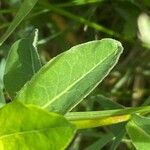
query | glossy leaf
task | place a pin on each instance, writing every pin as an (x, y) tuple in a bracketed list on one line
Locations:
[(25, 8), (22, 63), (25, 128), (139, 131), (63, 82)]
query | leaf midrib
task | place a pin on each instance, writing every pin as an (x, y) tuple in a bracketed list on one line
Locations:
[(69, 87), (26, 132)]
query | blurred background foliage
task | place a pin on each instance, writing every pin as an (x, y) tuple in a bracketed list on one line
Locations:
[(65, 23)]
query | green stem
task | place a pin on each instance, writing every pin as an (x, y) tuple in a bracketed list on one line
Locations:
[(92, 119), (91, 123), (78, 3), (80, 19)]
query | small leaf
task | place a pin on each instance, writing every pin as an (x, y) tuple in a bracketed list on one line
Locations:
[(68, 78), (22, 63), (139, 131), (25, 8), (25, 128)]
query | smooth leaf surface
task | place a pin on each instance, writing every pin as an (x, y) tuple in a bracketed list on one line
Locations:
[(63, 82), (24, 9), (139, 131), (26, 128), (22, 63)]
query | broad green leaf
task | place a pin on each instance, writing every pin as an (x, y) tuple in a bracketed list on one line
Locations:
[(26, 128), (68, 78), (139, 131), (25, 8), (22, 63)]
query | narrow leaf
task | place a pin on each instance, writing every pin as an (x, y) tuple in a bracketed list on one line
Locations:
[(2, 68), (92, 119), (25, 128), (25, 8), (107, 104), (139, 131), (22, 63), (68, 78), (100, 143)]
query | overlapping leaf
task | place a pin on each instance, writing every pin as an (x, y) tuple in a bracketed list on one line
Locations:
[(22, 63), (139, 131), (63, 82), (26, 128)]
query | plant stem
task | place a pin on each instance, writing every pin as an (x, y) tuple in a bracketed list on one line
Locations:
[(80, 19), (91, 123), (92, 119)]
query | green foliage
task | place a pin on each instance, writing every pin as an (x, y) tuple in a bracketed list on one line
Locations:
[(139, 131), (84, 65), (32, 128), (70, 80), (22, 63), (25, 8)]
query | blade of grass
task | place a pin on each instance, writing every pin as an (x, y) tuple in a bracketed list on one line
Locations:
[(78, 3), (25, 8), (80, 19)]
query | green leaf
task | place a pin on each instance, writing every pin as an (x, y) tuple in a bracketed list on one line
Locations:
[(26, 128), (22, 63), (68, 78), (107, 104), (139, 131), (101, 142), (25, 8)]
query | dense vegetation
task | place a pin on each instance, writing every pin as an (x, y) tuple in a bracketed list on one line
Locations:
[(113, 114)]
